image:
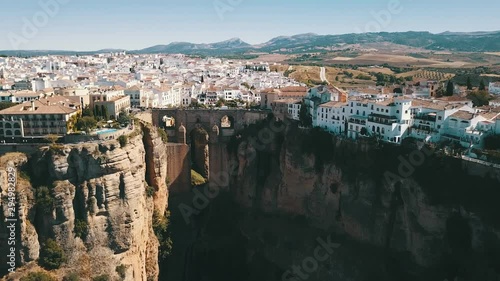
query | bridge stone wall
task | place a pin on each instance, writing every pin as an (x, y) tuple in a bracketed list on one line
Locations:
[(206, 119)]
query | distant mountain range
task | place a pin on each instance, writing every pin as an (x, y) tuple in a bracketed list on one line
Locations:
[(310, 42)]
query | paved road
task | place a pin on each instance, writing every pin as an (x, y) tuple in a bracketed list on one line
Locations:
[(322, 75)]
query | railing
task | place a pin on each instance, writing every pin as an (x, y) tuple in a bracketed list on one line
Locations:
[(384, 121), (357, 121), (425, 118)]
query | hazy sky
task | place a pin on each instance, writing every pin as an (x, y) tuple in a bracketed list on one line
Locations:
[(127, 24)]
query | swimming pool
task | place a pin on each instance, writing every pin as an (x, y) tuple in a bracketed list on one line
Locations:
[(106, 131)]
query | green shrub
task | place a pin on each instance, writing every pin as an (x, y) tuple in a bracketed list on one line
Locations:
[(197, 179), (123, 140), (150, 191), (81, 228), (122, 271), (38, 276), (51, 255), (43, 200), (163, 135), (71, 277), (103, 277), (160, 228)]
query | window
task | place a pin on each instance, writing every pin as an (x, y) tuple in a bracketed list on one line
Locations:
[(440, 118), (397, 111)]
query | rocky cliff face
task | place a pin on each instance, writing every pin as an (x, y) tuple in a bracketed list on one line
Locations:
[(102, 205), (424, 214)]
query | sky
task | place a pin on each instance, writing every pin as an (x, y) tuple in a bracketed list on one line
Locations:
[(127, 24)]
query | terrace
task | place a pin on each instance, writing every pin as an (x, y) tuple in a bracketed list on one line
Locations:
[(383, 119)]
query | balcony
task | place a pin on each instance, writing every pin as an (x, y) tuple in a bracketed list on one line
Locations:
[(357, 120), (431, 117), (382, 119), (425, 129)]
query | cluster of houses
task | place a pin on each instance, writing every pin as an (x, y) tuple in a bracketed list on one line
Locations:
[(53, 88), (389, 117), (150, 81)]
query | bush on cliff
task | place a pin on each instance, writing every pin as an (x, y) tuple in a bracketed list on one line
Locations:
[(197, 179), (81, 228), (51, 255), (103, 277), (163, 134), (160, 228), (122, 271), (38, 276), (43, 200), (123, 140), (71, 277)]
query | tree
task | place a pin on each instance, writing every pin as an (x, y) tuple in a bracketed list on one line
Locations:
[(479, 98), (104, 112), (97, 111), (86, 123), (51, 255), (220, 102), (87, 112), (482, 86), (469, 84), (124, 117), (450, 89), (304, 115), (364, 131)]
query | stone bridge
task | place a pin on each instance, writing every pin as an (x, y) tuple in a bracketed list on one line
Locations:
[(220, 124), (206, 131)]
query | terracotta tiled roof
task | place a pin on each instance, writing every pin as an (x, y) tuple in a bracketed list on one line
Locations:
[(45, 106), (464, 115)]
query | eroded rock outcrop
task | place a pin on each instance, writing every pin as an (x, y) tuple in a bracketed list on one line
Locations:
[(102, 205), (427, 213)]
